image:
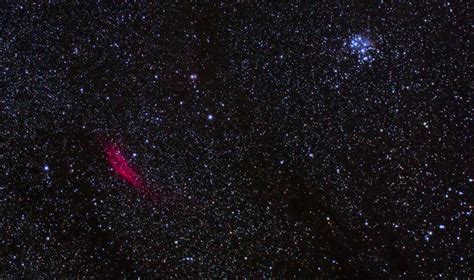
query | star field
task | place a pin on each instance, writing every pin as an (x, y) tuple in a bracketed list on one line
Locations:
[(296, 141)]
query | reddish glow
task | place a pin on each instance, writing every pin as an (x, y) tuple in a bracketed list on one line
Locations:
[(129, 174), (122, 167)]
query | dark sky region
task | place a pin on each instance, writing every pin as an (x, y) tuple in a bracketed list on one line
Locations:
[(180, 140)]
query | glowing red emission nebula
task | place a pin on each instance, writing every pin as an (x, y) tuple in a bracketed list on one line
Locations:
[(121, 165), (123, 168)]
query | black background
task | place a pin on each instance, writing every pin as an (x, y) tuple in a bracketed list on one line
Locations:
[(314, 165)]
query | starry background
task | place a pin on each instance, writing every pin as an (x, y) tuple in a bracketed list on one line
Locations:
[(310, 141)]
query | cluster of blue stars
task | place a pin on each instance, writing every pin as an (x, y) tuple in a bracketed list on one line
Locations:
[(363, 48)]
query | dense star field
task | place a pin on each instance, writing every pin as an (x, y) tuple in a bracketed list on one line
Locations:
[(165, 140)]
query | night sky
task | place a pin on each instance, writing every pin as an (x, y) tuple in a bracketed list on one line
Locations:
[(165, 140)]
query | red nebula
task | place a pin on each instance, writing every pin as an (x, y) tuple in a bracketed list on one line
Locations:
[(129, 174), (123, 168)]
